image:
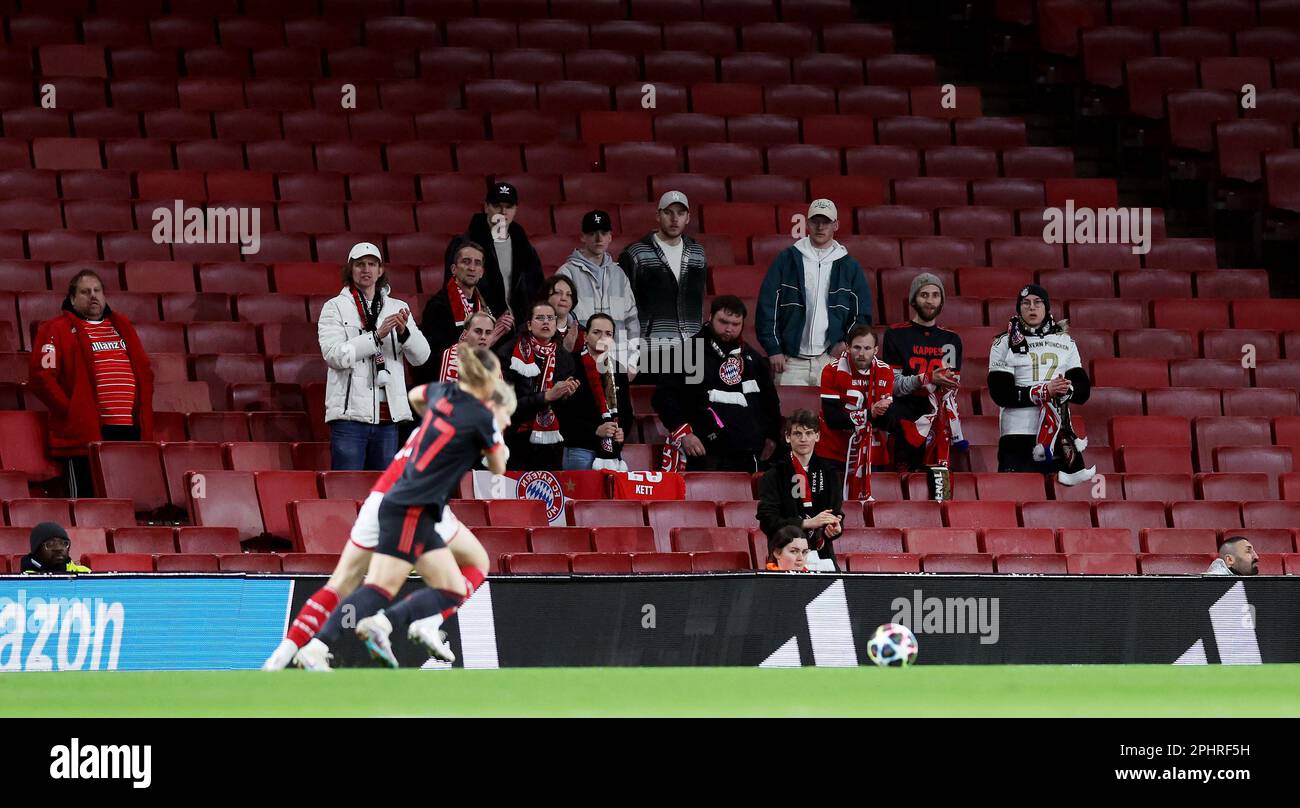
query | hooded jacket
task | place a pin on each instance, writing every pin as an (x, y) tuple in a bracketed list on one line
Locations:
[(62, 375), (612, 296), (780, 318), (735, 389), (668, 309), (347, 348), (525, 268)]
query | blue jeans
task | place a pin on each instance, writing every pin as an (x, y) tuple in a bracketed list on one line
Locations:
[(355, 446), (578, 459)]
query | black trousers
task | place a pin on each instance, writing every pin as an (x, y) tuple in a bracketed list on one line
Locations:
[(723, 460), (527, 456), (1016, 453), (79, 480)]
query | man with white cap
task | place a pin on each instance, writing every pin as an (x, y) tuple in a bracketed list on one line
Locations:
[(814, 294), (668, 272), (365, 335)]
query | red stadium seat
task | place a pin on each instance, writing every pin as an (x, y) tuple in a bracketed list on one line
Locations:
[(1155, 460), (884, 563), (1015, 487), (1019, 541), (1177, 540), (187, 562), (105, 513), (1171, 564), (321, 525), (957, 563), (118, 562), (601, 563), (1185, 401), (623, 539), (258, 456), (1044, 564), (1218, 515), (150, 540), (869, 540), (276, 490), (661, 562), (353, 485), (940, 540), (721, 561), (1163, 487), (560, 540), (703, 539), (1101, 564), (132, 471), (516, 513), (250, 562), (718, 486), (31, 512), (225, 499), (1268, 540), (1055, 515), (1235, 486), (1212, 433), (499, 541), (309, 563)]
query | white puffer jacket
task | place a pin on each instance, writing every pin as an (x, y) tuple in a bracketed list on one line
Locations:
[(350, 389)]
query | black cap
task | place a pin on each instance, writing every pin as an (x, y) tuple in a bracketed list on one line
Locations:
[(1034, 289), (595, 221), (46, 531), (502, 192)]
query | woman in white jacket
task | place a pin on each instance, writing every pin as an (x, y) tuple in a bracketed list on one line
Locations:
[(364, 336)]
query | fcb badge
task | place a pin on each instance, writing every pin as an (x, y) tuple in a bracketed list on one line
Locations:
[(545, 488), (546, 418), (731, 371)]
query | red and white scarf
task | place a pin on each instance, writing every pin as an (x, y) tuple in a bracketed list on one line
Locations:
[(464, 306), (450, 371), (941, 427), (603, 387), (865, 444), (804, 491), (1056, 434), (545, 426), (674, 459)]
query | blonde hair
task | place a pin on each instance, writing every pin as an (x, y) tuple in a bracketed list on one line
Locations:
[(479, 371), (503, 396)]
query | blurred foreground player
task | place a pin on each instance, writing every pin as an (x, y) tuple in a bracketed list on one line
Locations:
[(417, 530), (355, 559)]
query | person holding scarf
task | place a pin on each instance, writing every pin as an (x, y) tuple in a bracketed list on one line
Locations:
[(365, 337), (599, 415), (446, 315), (542, 374), (721, 412), (1035, 374), (856, 416), (802, 490)]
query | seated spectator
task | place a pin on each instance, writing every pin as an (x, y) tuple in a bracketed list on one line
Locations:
[(51, 552), (512, 270), (669, 272), (787, 551), (91, 372), (927, 362), (729, 419), (604, 286), (857, 415), (478, 333), (814, 293), (802, 490), (597, 417), (542, 373), (1035, 374), (366, 336), (1236, 557), (562, 293), (447, 313)]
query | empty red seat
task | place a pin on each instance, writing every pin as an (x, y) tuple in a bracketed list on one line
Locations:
[(187, 562), (250, 562), (118, 562), (321, 525), (105, 513), (259, 456), (1156, 343), (1055, 515), (1235, 486), (940, 540), (148, 540), (601, 563), (1177, 540), (516, 513), (1184, 401), (1012, 487), (31, 512), (703, 539), (560, 540), (1175, 564), (623, 539), (226, 499), (1212, 433), (1242, 143), (1266, 540), (957, 563), (1218, 515), (276, 490), (1020, 541)]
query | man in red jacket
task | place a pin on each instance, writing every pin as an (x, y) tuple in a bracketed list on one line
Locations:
[(93, 375)]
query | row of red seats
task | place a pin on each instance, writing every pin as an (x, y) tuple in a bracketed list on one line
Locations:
[(221, 85), (167, 33), (665, 563), (1104, 49)]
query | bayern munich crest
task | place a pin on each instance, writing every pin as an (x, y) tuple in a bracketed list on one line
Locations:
[(731, 370), (545, 488), (546, 418)]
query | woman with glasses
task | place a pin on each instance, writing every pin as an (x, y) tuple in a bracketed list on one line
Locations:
[(542, 373)]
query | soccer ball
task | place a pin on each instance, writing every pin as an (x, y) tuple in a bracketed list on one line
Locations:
[(893, 646)]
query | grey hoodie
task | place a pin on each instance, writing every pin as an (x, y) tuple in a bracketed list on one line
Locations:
[(603, 288)]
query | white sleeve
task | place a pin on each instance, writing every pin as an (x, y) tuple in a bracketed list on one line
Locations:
[(999, 354), (1071, 360), (340, 352)]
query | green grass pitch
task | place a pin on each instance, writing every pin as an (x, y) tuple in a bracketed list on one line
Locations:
[(993, 691)]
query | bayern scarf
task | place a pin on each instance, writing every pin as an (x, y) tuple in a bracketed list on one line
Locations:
[(1057, 439), (545, 426), (464, 306), (865, 441), (369, 323), (604, 391)]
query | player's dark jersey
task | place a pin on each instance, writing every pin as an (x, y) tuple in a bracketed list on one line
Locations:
[(456, 429), (913, 348)]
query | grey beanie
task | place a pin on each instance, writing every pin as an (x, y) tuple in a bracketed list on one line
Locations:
[(44, 532), (926, 279)]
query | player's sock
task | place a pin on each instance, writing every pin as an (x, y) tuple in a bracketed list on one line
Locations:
[(428, 602), (359, 605), (313, 614)]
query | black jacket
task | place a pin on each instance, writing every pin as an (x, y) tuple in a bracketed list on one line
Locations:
[(579, 416), (441, 331), (778, 508), (744, 426), (526, 268)]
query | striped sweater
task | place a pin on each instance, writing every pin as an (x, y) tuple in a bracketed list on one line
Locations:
[(668, 310)]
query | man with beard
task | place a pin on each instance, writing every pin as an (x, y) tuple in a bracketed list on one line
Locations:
[(926, 360), (856, 416), (1035, 374), (1236, 557), (726, 420), (51, 552), (542, 373)]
